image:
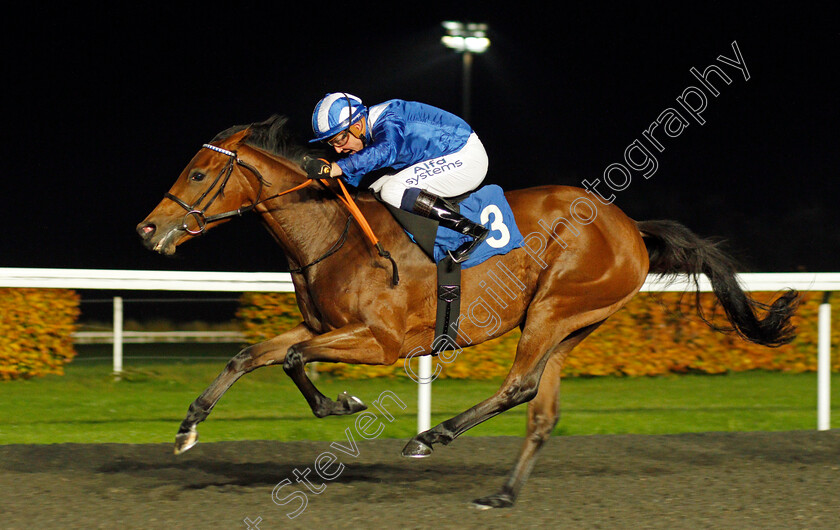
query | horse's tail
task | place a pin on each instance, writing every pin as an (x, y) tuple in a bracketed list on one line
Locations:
[(675, 249)]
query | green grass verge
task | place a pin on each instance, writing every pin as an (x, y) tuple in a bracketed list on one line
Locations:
[(88, 406)]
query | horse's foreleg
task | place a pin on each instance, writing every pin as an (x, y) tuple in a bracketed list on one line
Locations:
[(263, 354), (354, 344), (543, 413)]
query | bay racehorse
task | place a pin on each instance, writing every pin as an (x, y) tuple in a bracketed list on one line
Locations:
[(581, 262)]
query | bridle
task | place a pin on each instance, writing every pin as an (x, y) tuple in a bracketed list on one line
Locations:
[(196, 211)]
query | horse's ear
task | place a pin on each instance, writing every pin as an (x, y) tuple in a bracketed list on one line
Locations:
[(232, 141)]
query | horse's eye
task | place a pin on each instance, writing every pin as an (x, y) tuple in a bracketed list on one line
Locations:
[(198, 176)]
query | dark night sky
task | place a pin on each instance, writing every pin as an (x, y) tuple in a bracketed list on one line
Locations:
[(104, 106)]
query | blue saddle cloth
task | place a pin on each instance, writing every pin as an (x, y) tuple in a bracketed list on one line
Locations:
[(489, 207)]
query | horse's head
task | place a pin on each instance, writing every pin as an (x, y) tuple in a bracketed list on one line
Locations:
[(215, 186)]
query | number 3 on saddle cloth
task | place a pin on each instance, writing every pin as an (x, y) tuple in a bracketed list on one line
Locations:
[(487, 206)]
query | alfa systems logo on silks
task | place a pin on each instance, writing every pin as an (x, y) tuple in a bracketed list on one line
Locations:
[(433, 167), (489, 207)]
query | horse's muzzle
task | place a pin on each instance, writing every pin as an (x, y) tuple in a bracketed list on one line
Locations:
[(162, 244), (146, 231)]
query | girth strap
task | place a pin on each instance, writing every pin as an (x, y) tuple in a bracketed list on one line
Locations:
[(424, 230), (449, 303)]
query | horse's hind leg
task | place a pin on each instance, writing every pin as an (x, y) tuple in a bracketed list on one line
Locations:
[(541, 340), (263, 354), (543, 413)]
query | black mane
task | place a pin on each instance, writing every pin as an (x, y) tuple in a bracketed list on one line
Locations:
[(272, 135)]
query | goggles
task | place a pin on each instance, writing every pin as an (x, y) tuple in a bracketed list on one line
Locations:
[(340, 139)]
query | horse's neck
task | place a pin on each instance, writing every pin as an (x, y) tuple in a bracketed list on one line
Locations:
[(306, 225), (305, 222)]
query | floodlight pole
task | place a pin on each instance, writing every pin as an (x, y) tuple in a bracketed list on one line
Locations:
[(466, 39), (466, 84)]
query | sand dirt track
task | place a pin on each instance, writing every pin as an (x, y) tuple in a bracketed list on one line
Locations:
[(709, 480)]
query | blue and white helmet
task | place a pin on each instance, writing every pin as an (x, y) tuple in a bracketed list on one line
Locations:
[(335, 113)]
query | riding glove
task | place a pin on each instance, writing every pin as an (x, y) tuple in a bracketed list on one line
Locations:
[(316, 168)]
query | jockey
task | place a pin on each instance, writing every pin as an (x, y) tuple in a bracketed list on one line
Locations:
[(430, 154)]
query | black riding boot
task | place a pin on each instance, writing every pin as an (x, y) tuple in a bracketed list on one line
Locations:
[(442, 211)]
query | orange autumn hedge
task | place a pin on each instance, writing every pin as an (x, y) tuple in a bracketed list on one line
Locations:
[(266, 315), (646, 337), (36, 331)]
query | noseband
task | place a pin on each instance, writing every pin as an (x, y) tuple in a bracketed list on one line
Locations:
[(196, 210)]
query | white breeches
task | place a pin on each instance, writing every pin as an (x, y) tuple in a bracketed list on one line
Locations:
[(445, 176)]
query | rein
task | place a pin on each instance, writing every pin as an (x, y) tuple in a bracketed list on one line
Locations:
[(196, 211)]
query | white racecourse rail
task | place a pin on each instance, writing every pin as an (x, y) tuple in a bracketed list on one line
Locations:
[(119, 280)]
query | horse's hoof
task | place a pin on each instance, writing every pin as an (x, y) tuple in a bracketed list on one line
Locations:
[(416, 449), (350, 404), (499, 500), (184, 441)]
